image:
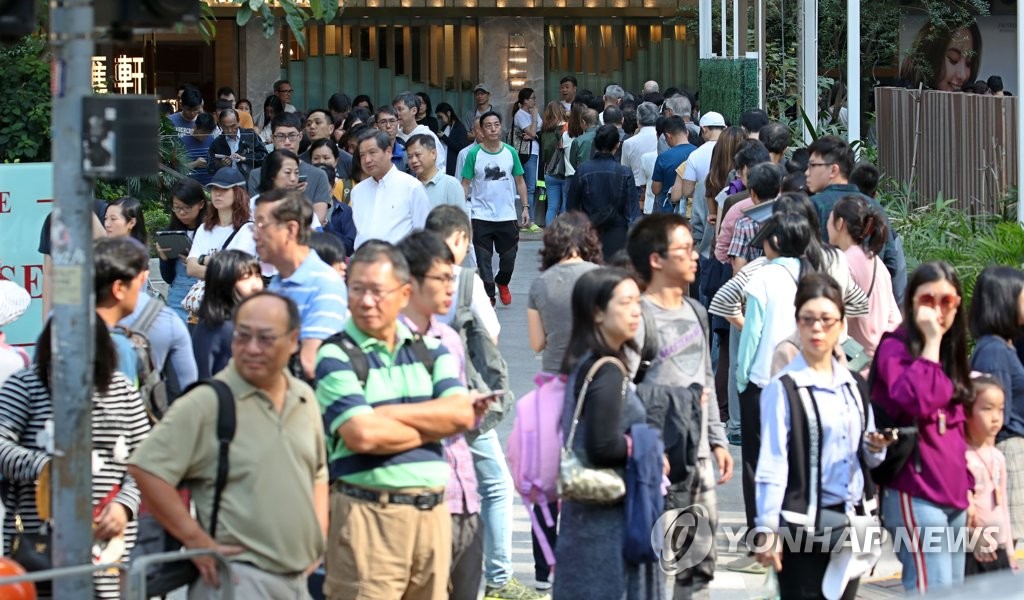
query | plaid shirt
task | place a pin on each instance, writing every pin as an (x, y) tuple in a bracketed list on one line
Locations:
[(742, 235), (462, 492)]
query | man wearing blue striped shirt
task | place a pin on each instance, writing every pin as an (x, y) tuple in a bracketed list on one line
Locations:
[(282, 239)]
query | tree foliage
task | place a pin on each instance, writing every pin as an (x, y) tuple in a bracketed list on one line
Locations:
[(295, 15), (25, 120)]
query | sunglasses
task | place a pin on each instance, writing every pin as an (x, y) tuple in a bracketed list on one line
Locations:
[(945, 303)]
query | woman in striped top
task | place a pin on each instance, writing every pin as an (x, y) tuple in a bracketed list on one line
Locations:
[(119, 424)]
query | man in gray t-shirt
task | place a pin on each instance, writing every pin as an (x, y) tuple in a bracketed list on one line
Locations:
[(549, 310)]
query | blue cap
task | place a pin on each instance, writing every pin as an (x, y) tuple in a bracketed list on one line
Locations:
[(226, 178)]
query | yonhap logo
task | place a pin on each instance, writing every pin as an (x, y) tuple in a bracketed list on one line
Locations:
[(682, 538)]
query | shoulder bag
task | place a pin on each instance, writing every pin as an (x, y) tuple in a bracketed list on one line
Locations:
[(195, 294)]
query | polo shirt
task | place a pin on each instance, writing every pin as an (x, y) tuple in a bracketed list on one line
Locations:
[(393, 378), (274, 461), (320, 294), (493, 190), (445, 189), (643, 141), (388, 209)]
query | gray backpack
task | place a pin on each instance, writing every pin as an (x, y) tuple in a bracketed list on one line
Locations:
[(486, 369)]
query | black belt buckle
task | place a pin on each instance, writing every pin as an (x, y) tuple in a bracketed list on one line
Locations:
[(425, 501)]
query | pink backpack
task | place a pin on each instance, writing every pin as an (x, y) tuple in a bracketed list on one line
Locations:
[(534, 448)]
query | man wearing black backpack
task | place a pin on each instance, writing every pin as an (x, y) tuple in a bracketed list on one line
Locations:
[(675, 379)]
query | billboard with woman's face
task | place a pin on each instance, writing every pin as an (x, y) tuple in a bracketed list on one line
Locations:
[(946, 59)]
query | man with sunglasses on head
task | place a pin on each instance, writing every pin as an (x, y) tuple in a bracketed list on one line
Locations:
[(287, 133), (828, 179), (282, 239)]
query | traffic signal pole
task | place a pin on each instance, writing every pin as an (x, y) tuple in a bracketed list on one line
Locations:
[(74, 315)]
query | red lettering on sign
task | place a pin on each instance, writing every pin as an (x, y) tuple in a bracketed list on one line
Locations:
[(7, 272), (5, 199), (34, 281)]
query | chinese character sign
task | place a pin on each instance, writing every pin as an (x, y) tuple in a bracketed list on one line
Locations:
[(99, 74), (128, 74)]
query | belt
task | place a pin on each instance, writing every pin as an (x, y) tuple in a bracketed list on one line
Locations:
[(425, 501)]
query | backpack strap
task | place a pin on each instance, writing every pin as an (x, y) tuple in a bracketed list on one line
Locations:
[(701, 312), (423, 354), (650, 347), (149, 315), (225, 434), (356, 356)]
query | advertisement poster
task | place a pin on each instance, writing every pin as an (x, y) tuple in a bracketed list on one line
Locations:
[(994, 51), (26, 192)]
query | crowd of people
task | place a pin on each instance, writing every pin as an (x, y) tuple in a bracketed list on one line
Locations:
[(705, 280)]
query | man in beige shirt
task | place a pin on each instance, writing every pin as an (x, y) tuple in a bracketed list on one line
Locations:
[(272, 519)]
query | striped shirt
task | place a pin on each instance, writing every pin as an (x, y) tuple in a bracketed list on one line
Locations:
[(320, 294), (393, 378), (119, 424)]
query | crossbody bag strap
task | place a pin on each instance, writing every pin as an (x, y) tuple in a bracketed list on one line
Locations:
[(874, 272), (583, 393), (227, 242)]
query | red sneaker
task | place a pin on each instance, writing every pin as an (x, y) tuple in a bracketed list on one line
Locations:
[(505, 294)]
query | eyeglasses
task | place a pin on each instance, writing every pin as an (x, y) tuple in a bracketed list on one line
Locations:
[(387, 122), (945, 302), (287, 91), (292, 137), (263, 339), (819, 164), (442, 279), (359, 292), (181, 210), (684, 249), (827, 321)]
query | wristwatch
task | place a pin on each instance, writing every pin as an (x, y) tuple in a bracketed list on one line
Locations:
[(202, 260)]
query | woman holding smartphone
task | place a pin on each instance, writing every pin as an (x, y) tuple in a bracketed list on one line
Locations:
[(188, 209)]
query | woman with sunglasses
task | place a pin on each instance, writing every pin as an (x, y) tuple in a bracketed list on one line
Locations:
[(995, 321), (835, 409), (921, 378)]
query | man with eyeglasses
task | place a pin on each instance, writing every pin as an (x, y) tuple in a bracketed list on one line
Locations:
[(282, 239), (283, 90), (235, 145), (272, 516), (191, 105), (828, 179), (388, 399), (287, 133), (388, 122)]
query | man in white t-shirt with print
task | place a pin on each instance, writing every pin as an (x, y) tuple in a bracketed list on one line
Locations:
[(492, 179)]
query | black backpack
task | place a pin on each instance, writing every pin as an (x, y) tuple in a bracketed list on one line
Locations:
[(151, 381), (361, 364)]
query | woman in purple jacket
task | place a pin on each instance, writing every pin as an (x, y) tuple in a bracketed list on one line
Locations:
[(921, 378)]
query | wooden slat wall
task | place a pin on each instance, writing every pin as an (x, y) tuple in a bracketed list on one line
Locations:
[(965, 145)]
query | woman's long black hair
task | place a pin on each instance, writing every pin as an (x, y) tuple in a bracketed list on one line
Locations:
[(223, 271), (104, 362), (592, 293), (191, 193)]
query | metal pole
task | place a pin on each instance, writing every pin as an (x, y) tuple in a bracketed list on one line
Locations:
[(705, 33), (762, 86), (74, 316), (725, 45), (736, 29), (809, 65), (1020, 107), (853, 70)]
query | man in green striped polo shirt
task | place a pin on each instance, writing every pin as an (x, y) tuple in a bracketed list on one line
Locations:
[(390, 532)]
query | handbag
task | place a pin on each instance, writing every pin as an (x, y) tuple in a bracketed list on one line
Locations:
[(576, 481), (195, 294), (32, 550), (522, 145), (555, 166)]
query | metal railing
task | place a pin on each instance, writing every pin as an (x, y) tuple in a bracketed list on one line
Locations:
[(135, 579)]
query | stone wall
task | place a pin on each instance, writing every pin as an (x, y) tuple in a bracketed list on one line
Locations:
[(493, 61), (260, 62)]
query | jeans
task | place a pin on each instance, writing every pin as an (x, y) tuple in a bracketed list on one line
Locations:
[(943, 562), (530, 176), (733, 426), (495, 484), (558, 194)]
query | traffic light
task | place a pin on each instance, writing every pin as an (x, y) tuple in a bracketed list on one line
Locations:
[(121, 16), (17, 18)]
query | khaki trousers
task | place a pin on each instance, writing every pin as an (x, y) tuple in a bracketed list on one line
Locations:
[(386, 552), (251, 582)]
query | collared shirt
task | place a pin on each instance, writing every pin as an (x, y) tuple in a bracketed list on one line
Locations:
[(320, 294), (493, 190), (643, 141), (461, 494), (275, 460), (442, 156), (388, 209), (445, 189), (839, 414), (742, 235), (728, 228), (394, 377)]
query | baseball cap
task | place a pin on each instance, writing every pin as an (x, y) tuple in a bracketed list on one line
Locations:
[(227, 177), (712, 119), (480, 88)]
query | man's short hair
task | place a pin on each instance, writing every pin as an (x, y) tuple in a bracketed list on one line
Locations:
[(223, 104), (205, 123), (750, 153), (446, 220), (646, 114), (776, 137), (589, 117), (673, 125), (409, 99), (865, 175), (421, 249), (279, 83), (679, 105), (980, 87), (385, 109), (651, 86), (381, 137), (614, 92), (650, 235), (224, 91), (291, 205), (568, 79), (375, 251), (834, 149), (612, 116), (292, 309), (423, 139), (606, 138), (486, 115), (327, 246), (225, 112), (116, 259), (765, 180), (753, 120), (995, 83), (191, 98), (339, 102), (285, 119)]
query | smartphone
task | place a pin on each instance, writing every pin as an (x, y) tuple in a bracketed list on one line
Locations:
[(889, 433), (221, 156), (176, 242), (490, 397), (302, 179)]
